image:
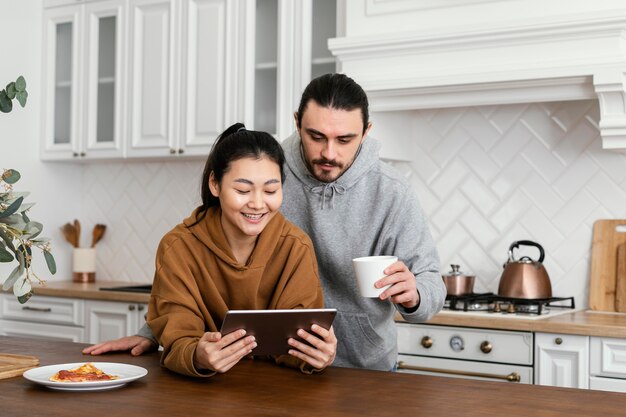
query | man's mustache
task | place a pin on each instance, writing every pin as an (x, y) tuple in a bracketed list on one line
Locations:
[(324, 161)]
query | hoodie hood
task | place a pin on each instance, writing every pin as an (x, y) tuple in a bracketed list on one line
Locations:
[(210, 233), (366, 158)]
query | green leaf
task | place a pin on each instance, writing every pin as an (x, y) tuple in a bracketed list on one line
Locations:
[(22, 290), (20, 84), (25, 207), (52, 266), (11, 176), (20, 258), (11, 91), (25, 297), (5, 255), (20, 250), (12, 279), (21, 97), (25, 217), (7, 240), (6, 105), (12, 208), (33, 229)]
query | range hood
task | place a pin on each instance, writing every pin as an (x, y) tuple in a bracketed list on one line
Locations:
[(573, 57)]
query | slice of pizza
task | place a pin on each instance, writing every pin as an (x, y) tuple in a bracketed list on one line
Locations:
[(84, 373)]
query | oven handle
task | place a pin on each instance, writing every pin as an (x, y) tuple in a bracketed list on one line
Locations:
[(512, 377)]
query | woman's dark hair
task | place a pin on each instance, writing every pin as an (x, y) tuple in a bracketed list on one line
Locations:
[(335, 91), (233, 144)]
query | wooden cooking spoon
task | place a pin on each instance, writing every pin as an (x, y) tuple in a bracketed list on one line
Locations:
[(97, 234)]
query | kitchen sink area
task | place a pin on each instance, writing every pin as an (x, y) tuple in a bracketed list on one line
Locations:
[(144, 289)]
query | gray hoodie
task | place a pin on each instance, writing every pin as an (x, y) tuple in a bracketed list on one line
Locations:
[(369, 210)]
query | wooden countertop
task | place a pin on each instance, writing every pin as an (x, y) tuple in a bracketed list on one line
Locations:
[(258, 388), (91, 291), (586, 323)]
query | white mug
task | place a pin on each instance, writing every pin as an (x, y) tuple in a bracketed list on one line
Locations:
[(368, 270)]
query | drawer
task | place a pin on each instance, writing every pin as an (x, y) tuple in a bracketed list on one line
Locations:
[(505, 346), (464, 369), (42, 331), (608, 357), (607, 384), (40, 309)]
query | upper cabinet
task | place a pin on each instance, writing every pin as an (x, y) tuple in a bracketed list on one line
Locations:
[(288, 50), (163, 78), (83, 81)]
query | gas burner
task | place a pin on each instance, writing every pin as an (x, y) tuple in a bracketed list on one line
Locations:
[(491, 303)]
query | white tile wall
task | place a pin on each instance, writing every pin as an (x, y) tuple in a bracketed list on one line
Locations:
[(486, 176)]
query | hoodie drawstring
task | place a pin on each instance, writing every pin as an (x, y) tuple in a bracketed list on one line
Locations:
[(334, 188)]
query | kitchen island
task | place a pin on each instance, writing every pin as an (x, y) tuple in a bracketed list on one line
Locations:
[(259, 388)]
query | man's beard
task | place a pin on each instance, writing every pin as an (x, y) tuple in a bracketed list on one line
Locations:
[(324, 176)]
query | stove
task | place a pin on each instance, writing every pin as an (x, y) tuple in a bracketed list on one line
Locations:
[(489, 303)]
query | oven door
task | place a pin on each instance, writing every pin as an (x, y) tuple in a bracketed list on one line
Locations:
[(465, 369)]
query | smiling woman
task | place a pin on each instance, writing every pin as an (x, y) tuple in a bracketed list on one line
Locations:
[(235, 252)]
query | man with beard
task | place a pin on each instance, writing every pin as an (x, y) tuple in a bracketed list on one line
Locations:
[(352, 205)]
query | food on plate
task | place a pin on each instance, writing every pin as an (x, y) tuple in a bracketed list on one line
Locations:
[(84, 373)]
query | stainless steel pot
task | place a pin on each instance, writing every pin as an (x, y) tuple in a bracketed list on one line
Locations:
[(457, 283), (525, 277)]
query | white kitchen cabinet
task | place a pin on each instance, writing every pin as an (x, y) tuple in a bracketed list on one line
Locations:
[(562, 360), (83, 82), (108, 320), (42, 317), (183, 66), (607, 364), (288, 49), (152, 63)]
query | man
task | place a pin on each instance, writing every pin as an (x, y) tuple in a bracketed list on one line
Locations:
[(352, 205)]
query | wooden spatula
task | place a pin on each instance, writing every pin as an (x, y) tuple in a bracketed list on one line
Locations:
[(620, 284)]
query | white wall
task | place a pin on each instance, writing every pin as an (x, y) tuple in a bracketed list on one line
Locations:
[(53, 186)]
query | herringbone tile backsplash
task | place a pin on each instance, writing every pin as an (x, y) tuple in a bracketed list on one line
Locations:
[(486, 176)]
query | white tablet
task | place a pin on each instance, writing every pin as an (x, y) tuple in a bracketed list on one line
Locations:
[(272, 328)]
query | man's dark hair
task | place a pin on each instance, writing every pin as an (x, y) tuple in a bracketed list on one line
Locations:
[(335, 91)]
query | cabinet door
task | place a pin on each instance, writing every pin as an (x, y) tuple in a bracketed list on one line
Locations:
[(108, 320), (562, 360), (203, 74), (290, 47), (103, 79), (152, 56), (60, 103)]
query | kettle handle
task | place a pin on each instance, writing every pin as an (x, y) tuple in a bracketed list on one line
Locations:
[(516, 245)]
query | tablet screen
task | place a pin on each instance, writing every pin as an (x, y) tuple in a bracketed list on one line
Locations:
[(272, 328)]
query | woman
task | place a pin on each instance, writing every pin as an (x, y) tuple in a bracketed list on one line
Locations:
[(235, 251)]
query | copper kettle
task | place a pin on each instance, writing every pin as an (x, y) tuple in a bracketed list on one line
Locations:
[(524, 277)]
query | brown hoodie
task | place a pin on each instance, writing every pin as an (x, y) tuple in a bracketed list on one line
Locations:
[(198, 279)]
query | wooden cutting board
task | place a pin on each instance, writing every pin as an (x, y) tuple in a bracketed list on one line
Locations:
[(620, 285), (608, 235), (16, 365)]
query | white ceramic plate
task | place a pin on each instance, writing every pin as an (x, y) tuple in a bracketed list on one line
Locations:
[(126, 374)]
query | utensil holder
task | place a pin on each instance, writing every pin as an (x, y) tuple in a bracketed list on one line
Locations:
[(84, 265)]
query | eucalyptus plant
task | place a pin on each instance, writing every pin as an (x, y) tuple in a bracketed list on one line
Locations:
[(14, 90), (18, 233)]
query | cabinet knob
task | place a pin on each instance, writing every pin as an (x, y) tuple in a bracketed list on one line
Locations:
[(181, 151), (75, 154), (485, 347), (427, 342), (83, 154), (558, 340), (140, 307), (131, 307), (172, 151)]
